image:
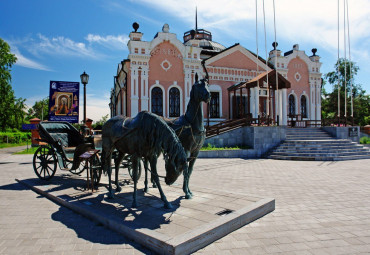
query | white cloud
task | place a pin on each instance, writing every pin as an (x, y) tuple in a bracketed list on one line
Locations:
[(116, 42), (61, 46), (26, 62), (96, 106), (313, 21)]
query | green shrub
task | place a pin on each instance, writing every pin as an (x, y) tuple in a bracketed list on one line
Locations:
[(365, 140), (14, 137)]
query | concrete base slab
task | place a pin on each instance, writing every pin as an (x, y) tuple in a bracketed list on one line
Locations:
[(190, 225)]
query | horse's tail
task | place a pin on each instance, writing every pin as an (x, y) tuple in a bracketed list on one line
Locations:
[(103, 161)]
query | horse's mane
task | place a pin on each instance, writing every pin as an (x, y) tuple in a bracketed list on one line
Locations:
[(163, 139)]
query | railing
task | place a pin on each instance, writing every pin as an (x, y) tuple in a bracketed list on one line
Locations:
[(231, 124), (298, 122), (339, 122)]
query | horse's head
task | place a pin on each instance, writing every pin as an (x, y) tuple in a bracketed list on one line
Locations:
[(200, 91), (175, 164)]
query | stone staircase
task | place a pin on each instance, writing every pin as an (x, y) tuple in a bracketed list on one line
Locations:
[(316, 144)]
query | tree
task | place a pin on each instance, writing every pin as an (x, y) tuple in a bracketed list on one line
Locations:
[(7, 98), (101, 122), (344, 73), (39, 110)]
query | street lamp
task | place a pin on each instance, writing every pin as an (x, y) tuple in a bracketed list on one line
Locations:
[(84, 80)]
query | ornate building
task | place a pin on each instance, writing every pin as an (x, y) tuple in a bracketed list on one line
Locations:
[(157, 76)]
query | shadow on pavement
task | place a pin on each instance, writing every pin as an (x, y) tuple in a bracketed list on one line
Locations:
[(150, 213), (92, 231)]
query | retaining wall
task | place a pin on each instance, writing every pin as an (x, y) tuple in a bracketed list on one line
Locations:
[(343, 133), (259, 139)]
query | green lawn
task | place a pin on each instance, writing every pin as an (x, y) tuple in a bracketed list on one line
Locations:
[(211, 147), (31, 150), (7, 145)]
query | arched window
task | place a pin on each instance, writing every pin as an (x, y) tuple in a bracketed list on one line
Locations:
[(303, 107), (214, 110), (157, 101), (174, 103), (291, 105)]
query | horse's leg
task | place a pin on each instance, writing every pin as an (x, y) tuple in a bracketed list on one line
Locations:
[(152, 181), (117, 163), (187, 174), (107, 154), (135, 177), (145, 162), (153, 165)]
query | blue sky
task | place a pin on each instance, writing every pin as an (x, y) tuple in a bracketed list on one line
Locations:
[(58, 40)]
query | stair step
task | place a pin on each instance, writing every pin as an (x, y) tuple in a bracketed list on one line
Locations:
[(314, 150), (340, 158), (321, 154), (316, 144)]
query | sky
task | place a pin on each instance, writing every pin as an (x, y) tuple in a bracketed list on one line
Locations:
[(59, 40)]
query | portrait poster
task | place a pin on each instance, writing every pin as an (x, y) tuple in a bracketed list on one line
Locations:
[(64, 101)]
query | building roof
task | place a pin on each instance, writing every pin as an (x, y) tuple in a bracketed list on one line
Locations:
[(260, 79)]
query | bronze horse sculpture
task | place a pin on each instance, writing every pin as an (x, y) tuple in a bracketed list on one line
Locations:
[(146, 136), (189, 127)]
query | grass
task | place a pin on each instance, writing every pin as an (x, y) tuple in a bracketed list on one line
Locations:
[(365, 140), (211, 147), (7, 145), (31, 150)]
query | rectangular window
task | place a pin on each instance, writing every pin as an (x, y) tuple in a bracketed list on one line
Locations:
[(142, 51), (136, 50), (214, 110)]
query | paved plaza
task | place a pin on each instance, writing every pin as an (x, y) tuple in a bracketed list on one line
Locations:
[(321, 208)]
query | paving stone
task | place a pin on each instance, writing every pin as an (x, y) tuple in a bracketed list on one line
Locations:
[(321, 207)]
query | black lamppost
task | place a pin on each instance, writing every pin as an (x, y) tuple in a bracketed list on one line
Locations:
[(84, 80)]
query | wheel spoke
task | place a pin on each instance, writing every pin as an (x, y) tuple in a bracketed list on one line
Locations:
[(41, 170), (48, 170)]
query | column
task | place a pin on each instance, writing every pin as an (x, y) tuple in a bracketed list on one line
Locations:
[(277, 102), (284, 107), (144, 90), (312, 102), (318, 101), (187, 86), (252, 103), (280, 106), (257, 100), (134, 92)]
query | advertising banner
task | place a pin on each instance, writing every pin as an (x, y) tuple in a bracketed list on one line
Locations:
[(64, 101)]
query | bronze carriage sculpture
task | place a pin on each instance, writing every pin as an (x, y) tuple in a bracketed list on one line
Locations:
[(62, 144)]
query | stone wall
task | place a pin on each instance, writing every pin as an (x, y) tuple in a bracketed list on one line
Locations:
[(342, 133), (259, 139)]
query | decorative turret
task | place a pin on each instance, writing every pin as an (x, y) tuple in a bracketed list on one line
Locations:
[(275, 51), (314, 57), (203, 39), (135, 36)]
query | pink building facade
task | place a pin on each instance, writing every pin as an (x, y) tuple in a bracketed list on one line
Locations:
[(157, 76)]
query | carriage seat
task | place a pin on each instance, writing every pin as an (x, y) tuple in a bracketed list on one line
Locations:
[(65, 140)]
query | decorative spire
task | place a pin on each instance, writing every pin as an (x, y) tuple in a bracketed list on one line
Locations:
[(196, 18)]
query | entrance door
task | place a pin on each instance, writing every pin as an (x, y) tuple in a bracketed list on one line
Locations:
[(263, 107)]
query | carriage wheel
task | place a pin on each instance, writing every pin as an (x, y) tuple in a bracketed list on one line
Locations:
[(80, 168), (44, 162), (96, 169)]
